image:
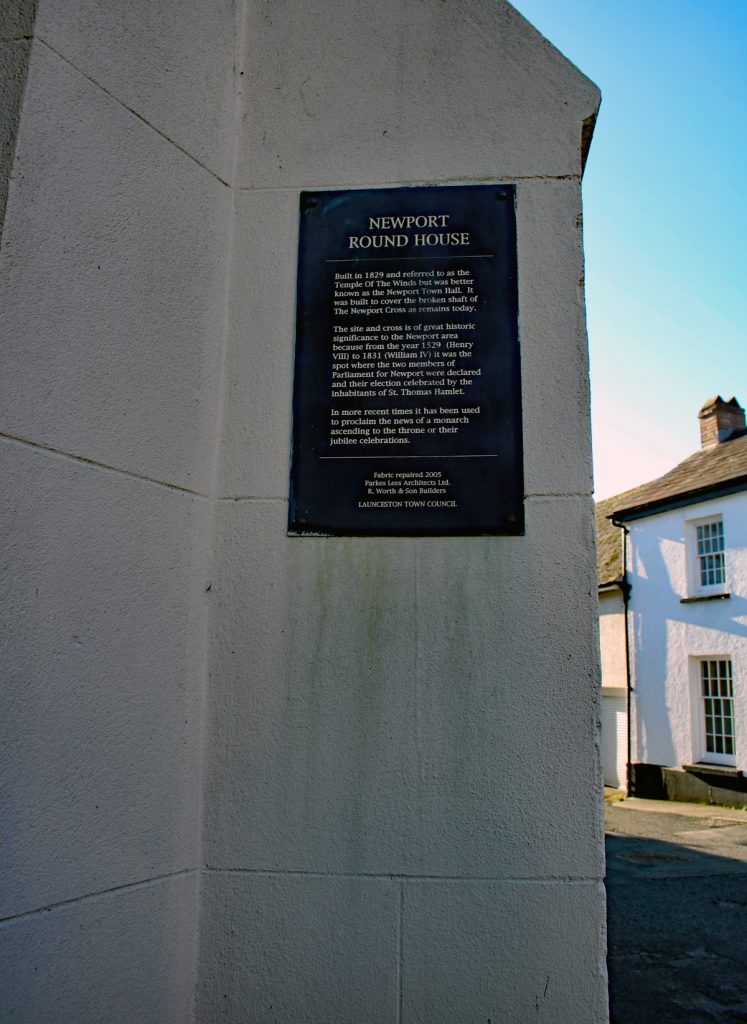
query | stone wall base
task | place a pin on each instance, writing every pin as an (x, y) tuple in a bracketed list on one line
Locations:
[(696, 783)]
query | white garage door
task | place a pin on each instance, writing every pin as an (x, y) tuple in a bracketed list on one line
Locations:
[(614, 738)]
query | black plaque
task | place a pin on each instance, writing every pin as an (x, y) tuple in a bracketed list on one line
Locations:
[(407, 399)]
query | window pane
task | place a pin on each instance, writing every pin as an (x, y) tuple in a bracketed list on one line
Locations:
[(718, 706), (710, 551)]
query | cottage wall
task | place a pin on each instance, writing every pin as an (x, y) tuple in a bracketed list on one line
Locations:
[(671, 636), (614, 715)]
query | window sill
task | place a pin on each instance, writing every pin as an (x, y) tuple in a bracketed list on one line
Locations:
[(705, 597), (712, 769)]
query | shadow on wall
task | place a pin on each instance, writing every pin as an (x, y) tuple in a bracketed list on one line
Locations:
[(651, 633)]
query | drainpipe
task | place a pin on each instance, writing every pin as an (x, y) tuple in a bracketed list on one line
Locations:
[(625, 587)]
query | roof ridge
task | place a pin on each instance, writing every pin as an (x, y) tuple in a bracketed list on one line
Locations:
[(718, 453)]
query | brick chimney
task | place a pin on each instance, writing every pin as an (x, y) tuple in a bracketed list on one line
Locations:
[(719, 420)]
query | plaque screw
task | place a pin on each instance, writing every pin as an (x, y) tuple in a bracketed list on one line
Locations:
[(311, 203), (501, 195)]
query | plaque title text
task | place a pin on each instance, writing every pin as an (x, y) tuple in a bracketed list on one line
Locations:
[(389, 232)]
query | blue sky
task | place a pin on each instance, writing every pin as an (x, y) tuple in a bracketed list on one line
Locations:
[(665, 219)]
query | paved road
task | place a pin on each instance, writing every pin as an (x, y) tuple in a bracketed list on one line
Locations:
[(677, 914)]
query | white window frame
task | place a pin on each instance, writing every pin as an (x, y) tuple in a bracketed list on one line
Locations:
[(700, 754), (695, 587)]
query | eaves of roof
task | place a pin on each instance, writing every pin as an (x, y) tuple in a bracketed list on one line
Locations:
[(691, 497), (707, 473)]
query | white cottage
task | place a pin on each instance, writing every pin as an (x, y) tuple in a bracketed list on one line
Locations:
[(672, 573)]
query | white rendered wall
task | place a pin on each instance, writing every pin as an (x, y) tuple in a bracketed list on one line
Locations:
[(113, 282), (671, 636), (612, 638), (403, 805), (614, 687)]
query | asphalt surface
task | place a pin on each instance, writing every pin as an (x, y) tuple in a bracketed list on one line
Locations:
[(677, 913)]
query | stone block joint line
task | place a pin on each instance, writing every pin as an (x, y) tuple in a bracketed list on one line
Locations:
[(130, 110)]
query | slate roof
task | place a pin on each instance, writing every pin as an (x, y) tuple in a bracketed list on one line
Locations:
[(609, 539), (709, 469)]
